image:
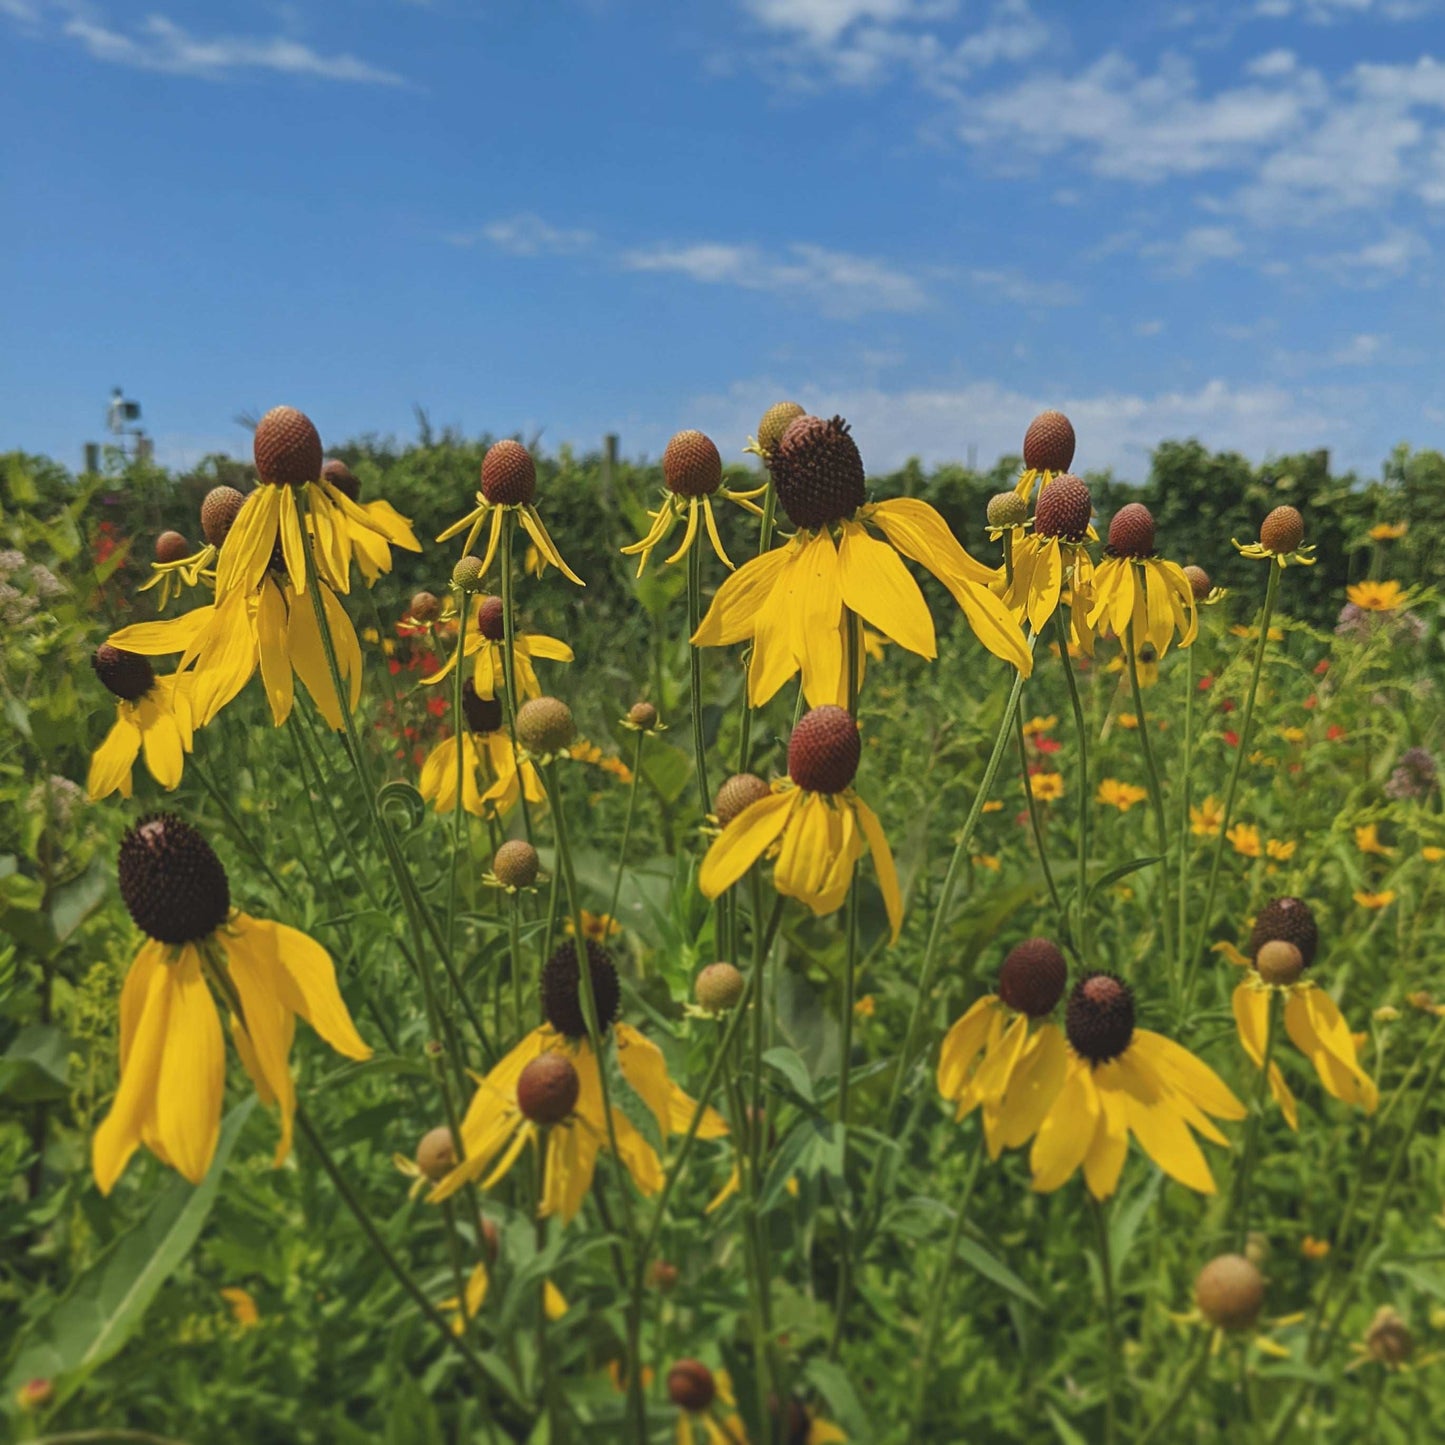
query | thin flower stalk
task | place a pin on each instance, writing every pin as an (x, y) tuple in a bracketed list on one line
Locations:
[(1081, 733), (1186, 793), (509, 653), (1032, 804), (1256, 1122), (694, 661), (1246, 730), (1156, 792), (1111, 1327), (627, 823)]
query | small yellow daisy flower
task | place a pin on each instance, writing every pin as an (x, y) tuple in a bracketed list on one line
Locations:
[(1377, 596), (1046, 787), (1115, 794)]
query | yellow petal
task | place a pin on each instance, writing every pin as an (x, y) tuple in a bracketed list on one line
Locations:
[(271, 635), (1319, 1031), (264, 1034), (878, 587), (919, 532), (1033, 1088), (644, 1067), (1067, 1130), (744, 841), (112, 761), (814, 609), (1110, 1145), (192, 1077), (882, 863), (735, 607), (1182, 1072), (246, 552), (156, 639), (962, 1044), (307, 982), (1157, 1125)]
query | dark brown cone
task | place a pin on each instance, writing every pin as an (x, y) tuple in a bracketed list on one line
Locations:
[(817, 472), (490, 621), (740, 791), (1290, 919), (171, 547), (127, 675), (483, 714), (1033, 977), (561, 988), (824, 750), (1229, 1291), (218, 512), (1131, 533), (1049, 443), (547, 1089), (509, 475), (1099, 1020), (690, 1386), (1282, 531), (1198, 580), (1063, 509), (691, 466), (171, 881), (342, 478), (287, 448)]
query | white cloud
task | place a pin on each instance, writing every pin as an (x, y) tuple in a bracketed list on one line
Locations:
[(1393, 255), (1153, 327), (837, 282), (1116, 429), (1275, 63), (1358, 350), (159, 44), (526, 234), (823, 21), (1194, 248), (1021, 290)]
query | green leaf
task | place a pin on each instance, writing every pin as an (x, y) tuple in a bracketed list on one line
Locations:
[(74, 902), (791, 1066), (1122, 871), (89, 1326), (34, 1067), (831, 1381), (976, 1256), (1062, 1428)]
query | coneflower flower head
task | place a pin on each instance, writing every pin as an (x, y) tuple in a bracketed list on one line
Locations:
[(342, 478), (1007, 509), (561, 988), (172, 883), (490, 620), (436, 1154), (545, 725), (718, 987), (1063, 509), (1290, 919), (824, 750), (218, 511), (1229, 1291), (1279, 963), (171, 547), (509, 475), (126, 675), (548, 1088), (690, 1386), (424, 607), (1033, 977), (516, 863), (1099, 1020), (642, 715), (287, 448), (776, 420), (818, 472), (467, 574), (1198, 581), (1282, 530), (740, 791), (1049, 443), (1131, 532), (691, 465)]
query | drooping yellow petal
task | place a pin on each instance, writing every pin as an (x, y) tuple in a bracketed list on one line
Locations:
[(1319, 1031), (157, 639), (1157, 1125), (191, 1080), (307, 980), (225, 655), (689, 534), (882, 864), (814, 608), (645, 1069), (878, 587), (1185, 1074), (536, 529), (744, 841), (820, 846), (1034, 1086), (1110, 1145), (1067, 1131), (264, 1033), (920, 533), (962, 1045), (246, 552), (271, 640), (733, 614), (111, 763), (165, 752)]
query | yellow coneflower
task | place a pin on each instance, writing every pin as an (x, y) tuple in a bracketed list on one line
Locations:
[(1377, 596), (1388, 531), (172, 1057), (1046, 787), (223, 644), (1122, 1080), (1244, 838), (990, 1058), (1281, 541), (692, 475), (267, 532), (176, 567), (548, 1090), (509, 484), (706, 1405), (1051, 564), (486, 745), (1282, 946), (819, 826), (1135, 588), (1280, 850), (486, 634), (1048, 452), (599, 927), (152, 715), (790, 602), (1366, 899), (242, 1305), (1367, 840), (386, 528), (1116, 794)]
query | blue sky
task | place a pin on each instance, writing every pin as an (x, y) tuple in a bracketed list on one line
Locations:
[(580, 216)]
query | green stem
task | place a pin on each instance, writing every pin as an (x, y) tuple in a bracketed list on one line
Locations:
[(1156, 792), (765, 540), (509, 652), (627, 825), (938, 1288), (1111, 1335), (694, 658), (1065, 925), (1245, 728), (1186, 782), (237, 827), (460, 733), (1081, 733), (1256, 1124), (1182, 1387)]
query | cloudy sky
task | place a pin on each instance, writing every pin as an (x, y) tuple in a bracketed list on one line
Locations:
[(935, 216)]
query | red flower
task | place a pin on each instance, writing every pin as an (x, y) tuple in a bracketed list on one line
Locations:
[(1047, 744), (393, 666), (1231, 737), (1227, 705), (436, 706), (1322, 667), (1312, 701), (1334, 732), (1206, 682)]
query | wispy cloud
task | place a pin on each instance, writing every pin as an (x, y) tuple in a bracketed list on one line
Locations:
[(838, 283), (160, 44), (1020, 290), (1197, 246), (526, 234), (1391, 256)]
